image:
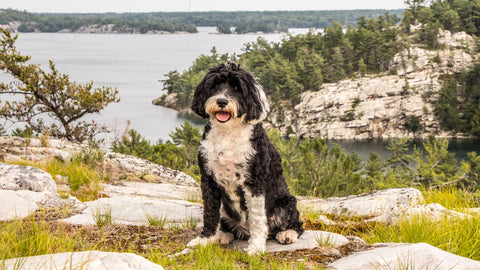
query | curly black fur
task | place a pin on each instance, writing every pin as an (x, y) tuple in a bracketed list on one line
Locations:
[(264, 175)]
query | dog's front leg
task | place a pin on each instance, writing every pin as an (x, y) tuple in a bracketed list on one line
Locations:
[(257, 220), (211, 213)]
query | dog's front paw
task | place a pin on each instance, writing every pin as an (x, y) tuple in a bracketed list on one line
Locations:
[(287, 237), (224, 238), (201, 241), (256, 247)]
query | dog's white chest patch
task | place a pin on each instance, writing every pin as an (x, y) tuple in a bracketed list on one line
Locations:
[(227, 153)]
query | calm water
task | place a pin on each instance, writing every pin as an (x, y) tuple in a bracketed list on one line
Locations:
[(132, 63), (135, 64)]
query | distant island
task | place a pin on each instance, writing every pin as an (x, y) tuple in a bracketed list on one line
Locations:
[(239, 22)]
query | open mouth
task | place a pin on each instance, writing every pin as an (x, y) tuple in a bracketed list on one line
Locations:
[(222, 116)]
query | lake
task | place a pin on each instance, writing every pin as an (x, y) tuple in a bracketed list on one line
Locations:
[(135, 64)]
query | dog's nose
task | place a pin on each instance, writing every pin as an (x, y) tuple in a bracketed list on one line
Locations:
[(222, 102)]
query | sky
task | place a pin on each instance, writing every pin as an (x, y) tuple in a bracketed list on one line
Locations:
[(94, 6)]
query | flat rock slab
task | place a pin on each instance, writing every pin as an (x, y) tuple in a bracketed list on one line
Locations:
[(85, 260), (404, 256), (156, 191), (368, 204), (134, 210), (13, 206), (308, 240)]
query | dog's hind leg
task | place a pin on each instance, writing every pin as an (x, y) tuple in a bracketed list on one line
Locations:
[(287, 237), (284, 222)]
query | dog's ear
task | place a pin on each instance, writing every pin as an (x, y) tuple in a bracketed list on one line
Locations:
[(257, 108), (200, 98)]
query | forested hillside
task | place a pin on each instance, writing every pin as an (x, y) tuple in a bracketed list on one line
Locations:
[(241, 21), (305, 62)]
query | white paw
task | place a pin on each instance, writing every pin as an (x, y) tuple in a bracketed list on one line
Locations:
[(224, 238), (256, 247), (287, 237), (201, 241)]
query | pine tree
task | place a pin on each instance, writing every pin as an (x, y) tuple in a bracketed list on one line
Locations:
[(50, 95)]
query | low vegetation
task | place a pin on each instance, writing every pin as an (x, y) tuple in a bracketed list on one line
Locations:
[(180, 153), (83, 174), (313, 168), (457, 236)]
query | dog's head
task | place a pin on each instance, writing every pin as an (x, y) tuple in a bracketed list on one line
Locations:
[(230, 93)]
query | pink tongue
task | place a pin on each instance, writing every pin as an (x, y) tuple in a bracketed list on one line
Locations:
[(222, 116)]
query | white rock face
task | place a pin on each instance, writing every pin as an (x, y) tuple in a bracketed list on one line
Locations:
[(379, 106), (86, 260), (404, 256)]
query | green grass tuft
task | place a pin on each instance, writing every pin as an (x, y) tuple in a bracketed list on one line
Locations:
[(454, 235), (102, 216), (156, 220)]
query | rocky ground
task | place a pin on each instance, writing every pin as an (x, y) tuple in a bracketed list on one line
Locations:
[(172, 199)]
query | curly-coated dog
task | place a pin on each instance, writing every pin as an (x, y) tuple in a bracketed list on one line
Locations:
[(244, 192)]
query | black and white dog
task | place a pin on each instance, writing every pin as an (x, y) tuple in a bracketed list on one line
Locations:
[(244, 192)]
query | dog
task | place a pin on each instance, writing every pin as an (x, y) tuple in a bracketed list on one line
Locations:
[(244, 193)]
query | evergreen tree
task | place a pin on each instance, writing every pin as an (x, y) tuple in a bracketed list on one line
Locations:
[(398, 149), (50, 95), (436, 165)]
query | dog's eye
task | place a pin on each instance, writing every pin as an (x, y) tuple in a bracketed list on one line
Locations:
[(235, 88)]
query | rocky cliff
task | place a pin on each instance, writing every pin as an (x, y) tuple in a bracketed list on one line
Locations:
[(379, 106)]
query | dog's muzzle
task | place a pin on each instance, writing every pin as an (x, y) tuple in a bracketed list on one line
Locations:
[(222, 116)]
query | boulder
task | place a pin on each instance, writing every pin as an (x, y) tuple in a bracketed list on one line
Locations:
[(169, 101), (18, 177), (23, 189), (87, 260), (404, 256)]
